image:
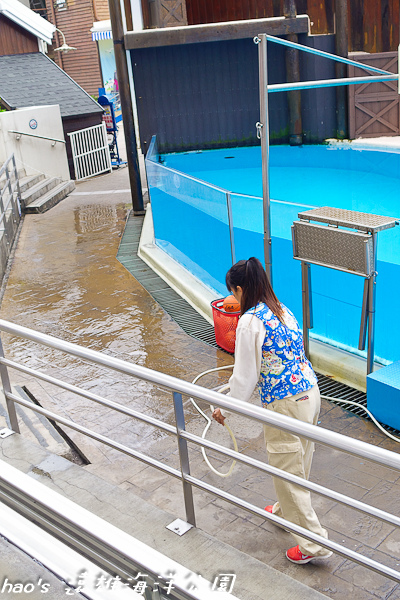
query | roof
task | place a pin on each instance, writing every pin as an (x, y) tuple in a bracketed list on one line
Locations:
[(101, 30), (27, 19), (35, 80)]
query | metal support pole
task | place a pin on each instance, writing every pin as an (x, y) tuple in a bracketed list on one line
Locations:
[(371, 310), (184, 459), (12, 415), (364, 316), (230, 222), (264, 135), (307, 307), (341, 42), (293, 74), (126, 106)]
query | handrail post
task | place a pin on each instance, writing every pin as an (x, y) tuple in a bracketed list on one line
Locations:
[(184, 459), (19, 196), (5, 379), (264, 132)]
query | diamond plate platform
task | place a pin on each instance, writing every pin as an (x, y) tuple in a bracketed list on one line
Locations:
[(349, 218)]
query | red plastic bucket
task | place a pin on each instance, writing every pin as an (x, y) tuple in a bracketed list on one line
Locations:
[(225, 324)]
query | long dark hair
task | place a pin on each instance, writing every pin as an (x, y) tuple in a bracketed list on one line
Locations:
[(251, 277)]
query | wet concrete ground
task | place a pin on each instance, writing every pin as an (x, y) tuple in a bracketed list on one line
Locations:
[(65, 281)]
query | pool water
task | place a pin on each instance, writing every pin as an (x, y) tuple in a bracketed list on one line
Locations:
[(191, 224), (363, 180)]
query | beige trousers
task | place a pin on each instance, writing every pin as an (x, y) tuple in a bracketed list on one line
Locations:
[(293, 454)]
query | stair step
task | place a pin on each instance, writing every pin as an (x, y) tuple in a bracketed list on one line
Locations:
[(26, 183), (51, 198), (39, 190)]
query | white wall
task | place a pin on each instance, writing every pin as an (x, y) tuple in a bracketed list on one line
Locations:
[(31, 153)]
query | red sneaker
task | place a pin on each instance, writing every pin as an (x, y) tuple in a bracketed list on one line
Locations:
[(269, 508), (296, 556)]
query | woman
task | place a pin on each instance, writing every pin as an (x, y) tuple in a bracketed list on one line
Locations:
[(269, 353)]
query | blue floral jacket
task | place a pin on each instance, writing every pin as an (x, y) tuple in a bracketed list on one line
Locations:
[(285, 369)]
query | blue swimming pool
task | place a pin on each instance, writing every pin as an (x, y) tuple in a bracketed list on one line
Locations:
[(188, 197)]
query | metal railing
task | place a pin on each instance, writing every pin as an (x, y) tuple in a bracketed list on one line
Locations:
[(180, 388), (10, 209), (34, 135)]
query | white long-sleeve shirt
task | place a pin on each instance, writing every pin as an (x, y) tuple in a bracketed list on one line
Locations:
[(250, 336)]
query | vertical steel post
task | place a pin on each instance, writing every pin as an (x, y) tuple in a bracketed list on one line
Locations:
[(7, 390), (230, 222), (307, 310), (126, 106), (264, 134), (19, 203), (371, 309), (184, 459), (364, 316)]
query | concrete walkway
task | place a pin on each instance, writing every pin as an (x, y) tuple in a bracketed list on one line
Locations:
[(66, 281)]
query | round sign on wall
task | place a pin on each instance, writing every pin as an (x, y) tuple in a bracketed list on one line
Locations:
[(33, 124)]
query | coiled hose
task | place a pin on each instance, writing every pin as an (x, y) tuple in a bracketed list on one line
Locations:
[(226, 386)]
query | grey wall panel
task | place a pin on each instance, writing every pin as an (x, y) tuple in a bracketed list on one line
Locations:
[(206, 95), (318, 105)]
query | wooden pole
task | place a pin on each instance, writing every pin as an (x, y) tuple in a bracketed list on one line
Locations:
[(126, 106), (293, 74), (341, 48)]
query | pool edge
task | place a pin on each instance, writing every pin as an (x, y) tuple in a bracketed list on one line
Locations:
[(326, 359)]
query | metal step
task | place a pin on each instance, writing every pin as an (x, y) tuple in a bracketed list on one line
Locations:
[(51, 198)]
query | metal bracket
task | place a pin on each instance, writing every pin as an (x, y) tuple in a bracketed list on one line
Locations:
[(5, 433), (259, 127), (179, 526)]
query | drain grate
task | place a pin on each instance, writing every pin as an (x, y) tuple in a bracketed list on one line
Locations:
[(341, 391), (197, 327), (178, 309)]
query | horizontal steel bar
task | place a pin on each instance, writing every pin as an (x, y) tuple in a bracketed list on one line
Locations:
[(186, 176), (326, 543), (41, 137), (90, 396), (95, 436), (306, 85), (335, 267), (309, 485), (334, 57), (312, 432)]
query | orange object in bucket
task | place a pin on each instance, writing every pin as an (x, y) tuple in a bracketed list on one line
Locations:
[(225, 324), (230, 304)]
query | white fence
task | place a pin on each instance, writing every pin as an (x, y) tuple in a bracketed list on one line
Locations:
[(90, 151)]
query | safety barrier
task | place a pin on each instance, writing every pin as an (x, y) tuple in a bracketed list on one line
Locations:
[(180, 388), (90, 151)]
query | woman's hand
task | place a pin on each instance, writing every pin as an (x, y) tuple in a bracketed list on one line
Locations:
[(217, 415)]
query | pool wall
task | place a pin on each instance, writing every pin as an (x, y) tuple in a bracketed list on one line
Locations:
[(191, 225)]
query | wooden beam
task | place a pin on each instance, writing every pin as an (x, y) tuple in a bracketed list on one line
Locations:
[(215, 32)]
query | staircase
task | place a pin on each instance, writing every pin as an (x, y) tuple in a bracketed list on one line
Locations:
[(40, 193)]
